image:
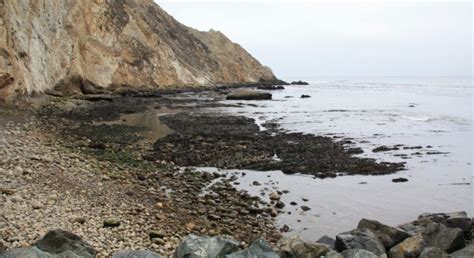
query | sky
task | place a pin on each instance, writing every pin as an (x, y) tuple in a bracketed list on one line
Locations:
[(342, 38)]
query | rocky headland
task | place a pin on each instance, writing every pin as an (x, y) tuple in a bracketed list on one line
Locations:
[(91, 47)]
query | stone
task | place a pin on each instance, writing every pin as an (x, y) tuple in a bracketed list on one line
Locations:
[(389, 236), (205, 247), (359, 239), (259, 248), (59, 241), (400, 180), (360, 253), (274, 196), (433, 252), (110, 223), (447, 239), (409, 248), (26, 253), (156, 234), (249, 95), (457, 219), (136, 254), (280, 205), (305, 208), (297, 247), (467, 251), (327, 240), (299, 83)]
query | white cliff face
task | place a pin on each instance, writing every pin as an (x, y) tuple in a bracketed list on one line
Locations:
[(109, 43)]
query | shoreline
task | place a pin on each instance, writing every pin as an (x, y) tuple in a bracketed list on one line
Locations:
[(110, 149)]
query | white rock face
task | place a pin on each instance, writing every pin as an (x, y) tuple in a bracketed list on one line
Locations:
[(111, 43)]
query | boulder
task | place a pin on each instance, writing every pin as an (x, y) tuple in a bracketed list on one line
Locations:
[(297, 247), (25, 253), (457, 219), (136, 254), (408, 248), (353, 253), (258, 248), (467, 251), (359, 239), (389, 236), (249, 95), (359, 253), (327, 240), (205, 247), (34, 252), (433, 252), (447, 239), (415, 227), (59, 241)]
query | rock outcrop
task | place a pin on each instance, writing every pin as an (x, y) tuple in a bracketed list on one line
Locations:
[(86, 46)]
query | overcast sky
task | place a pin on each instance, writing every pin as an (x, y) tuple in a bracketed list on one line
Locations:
[(342, 38)]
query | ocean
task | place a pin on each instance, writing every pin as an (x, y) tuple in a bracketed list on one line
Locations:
[(434, 113)]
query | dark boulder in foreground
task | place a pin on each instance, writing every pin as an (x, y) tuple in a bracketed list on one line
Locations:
[(410, 247), (249, 95), (359, 239), (196, 246), (370, 240), (389, 236), (259, 248), (299, 83), (467, 251), (56, 243), (447, 239), (295, 246), (136, 254)]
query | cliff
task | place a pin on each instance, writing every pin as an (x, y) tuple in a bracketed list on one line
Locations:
[(85, 45)]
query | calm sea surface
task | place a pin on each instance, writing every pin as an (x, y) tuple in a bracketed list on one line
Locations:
[(435, 112)]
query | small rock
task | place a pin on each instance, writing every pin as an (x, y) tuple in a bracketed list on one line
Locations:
[(156, 234), (280, 205), (274, 196), (110, 223), (399, 180), (304, 96), (305, 208)]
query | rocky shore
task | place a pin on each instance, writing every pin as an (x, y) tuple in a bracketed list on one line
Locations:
[(430, 236), (63, 165)]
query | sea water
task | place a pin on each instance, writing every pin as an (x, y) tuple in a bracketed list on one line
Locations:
[(435, 112)]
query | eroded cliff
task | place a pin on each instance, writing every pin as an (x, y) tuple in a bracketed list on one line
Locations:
[(74, 44)]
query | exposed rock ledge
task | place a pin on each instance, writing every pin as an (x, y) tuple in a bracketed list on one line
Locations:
[(95, 44)]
